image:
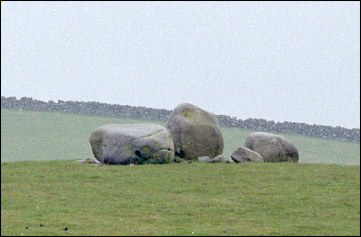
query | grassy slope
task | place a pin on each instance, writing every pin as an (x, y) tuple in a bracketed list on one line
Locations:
[(179, 199), (57, 136)]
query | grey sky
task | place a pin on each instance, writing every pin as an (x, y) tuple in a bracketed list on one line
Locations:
[(281, 61)]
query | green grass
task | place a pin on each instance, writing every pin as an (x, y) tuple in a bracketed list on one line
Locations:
[(175, 199), (57, 136), (179, 199)]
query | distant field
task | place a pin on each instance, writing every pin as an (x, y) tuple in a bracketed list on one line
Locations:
[(29, 136)]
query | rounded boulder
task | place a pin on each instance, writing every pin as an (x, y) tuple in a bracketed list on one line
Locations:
[(273, 148), (243, 155), (195, 132)]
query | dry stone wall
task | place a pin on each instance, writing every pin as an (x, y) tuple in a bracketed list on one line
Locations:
[(126, 111)]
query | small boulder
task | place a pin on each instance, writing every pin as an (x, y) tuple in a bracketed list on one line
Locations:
[(273, 148), (123, 144), (243, 154), (204, 159), (222, 159), (195, 132)]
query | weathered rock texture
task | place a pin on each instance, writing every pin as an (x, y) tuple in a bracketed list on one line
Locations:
[(243, 154), (122, 144), (273, 148), (195, 132)]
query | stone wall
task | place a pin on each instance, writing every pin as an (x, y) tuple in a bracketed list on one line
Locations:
[(126, 111)]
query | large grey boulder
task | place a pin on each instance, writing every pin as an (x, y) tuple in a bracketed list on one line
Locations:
[(273, 148), (122, 144), (195, 132), (243, 154)]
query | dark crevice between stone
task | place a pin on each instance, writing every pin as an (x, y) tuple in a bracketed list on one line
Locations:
[(180, 153)]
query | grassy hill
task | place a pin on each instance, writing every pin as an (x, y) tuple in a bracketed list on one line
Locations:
[(50, 194)]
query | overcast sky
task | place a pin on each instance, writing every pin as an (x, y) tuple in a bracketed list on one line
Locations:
[(280, 61)]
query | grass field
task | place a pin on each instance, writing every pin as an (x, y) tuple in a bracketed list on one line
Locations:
[(179, 199), (50, 194)]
